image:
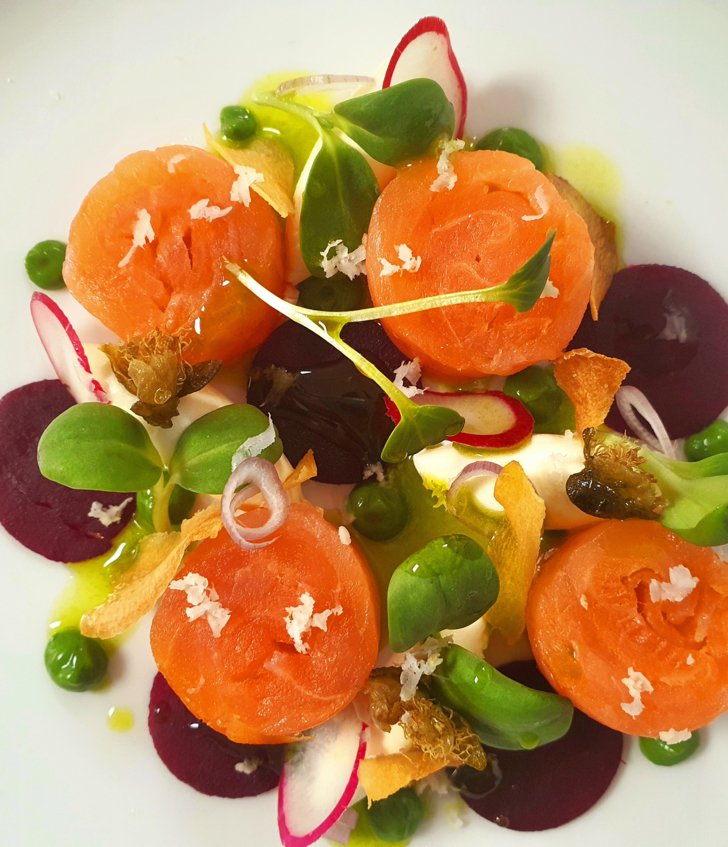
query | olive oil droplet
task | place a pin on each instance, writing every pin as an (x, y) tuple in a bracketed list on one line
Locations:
[(120, 719)]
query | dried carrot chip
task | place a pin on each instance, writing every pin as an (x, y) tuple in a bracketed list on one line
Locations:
[(271, 160), (383, 776), (514, 550), (159, 558), (590, 381), (603, 236)]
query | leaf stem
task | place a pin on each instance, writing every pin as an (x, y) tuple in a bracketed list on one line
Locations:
[(161, 494)]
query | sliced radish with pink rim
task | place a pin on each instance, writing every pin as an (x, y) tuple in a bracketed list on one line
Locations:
[(425, 51), (65, 350), (493, 420), (319, 779)]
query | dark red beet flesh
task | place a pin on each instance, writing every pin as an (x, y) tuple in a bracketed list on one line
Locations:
[(47, 518), (531, 790), (203, 758), (319, 401), (672, 328)]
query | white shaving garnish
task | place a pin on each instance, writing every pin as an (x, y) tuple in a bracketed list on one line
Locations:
[(674, 736), (246, 177), (550, 291), (200, 683), (690, 659), (255, 445), (344, 536), (419, 662), (447, 177), (142, 234), (108, 515), (301, 619), (203, 601), (408, 262), (376, 471), (542, 203), (636, 684), (583, 602), (202, 211), (676, 325), (681, 584), (247, 766), (411, 371), (350, 264), (175, 160)]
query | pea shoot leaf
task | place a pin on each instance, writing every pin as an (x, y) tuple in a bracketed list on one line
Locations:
[(202, 460), (399, 122), (99, 447), (338, 200)]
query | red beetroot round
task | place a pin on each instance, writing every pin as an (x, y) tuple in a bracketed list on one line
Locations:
[(671, 327), (47, 518), (532, 790), (203, 758)]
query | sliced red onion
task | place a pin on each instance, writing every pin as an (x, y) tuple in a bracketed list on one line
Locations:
[(634, 407), (259, 477), (470, 472), (342, 829), (322, 82)]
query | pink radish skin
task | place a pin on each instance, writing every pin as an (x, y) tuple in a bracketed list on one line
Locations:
[(493, 420), (425, 51), (319, 780), (65, 350)]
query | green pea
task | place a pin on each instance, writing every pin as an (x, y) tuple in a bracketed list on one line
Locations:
[(503, 713), (75, 662), (547, 402), (379, 510), (448, 584), (44, 264), (666, 755), (708, 442), (336, 294), (237, 124), (516, 141), (398, 816)]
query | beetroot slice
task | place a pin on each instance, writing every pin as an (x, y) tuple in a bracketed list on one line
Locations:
[(205, 759), (47, 518), (671, 327), (551, 785)]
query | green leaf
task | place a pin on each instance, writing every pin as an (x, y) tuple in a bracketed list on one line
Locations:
[(202, 460), (99, 447), (338, 199), (448, 584), (526, 285), (399, 122), (503, 713), (419, 427)]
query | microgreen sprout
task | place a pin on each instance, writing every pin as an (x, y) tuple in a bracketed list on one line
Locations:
[(420, 426)]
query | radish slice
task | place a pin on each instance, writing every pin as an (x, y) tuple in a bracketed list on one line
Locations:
[(492, 419), (319, 779), (65, 351), (426, 51)]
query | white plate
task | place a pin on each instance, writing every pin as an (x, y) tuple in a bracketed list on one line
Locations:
[(83, 83)]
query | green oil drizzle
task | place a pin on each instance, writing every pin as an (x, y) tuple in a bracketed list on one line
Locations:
[(93, 580), (593, 174), (120, 719)]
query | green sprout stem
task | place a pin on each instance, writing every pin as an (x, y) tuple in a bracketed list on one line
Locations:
[(419, 426)]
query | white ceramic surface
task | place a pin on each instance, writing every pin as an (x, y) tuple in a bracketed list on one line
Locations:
[(83, 83)]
